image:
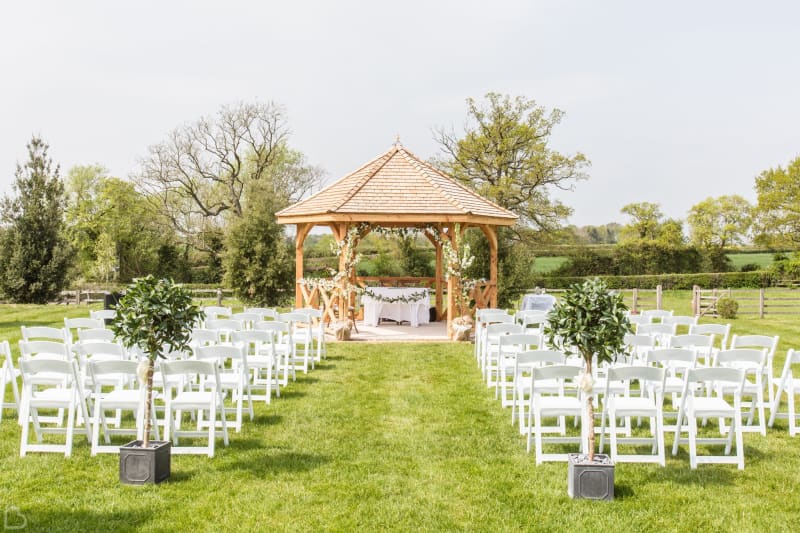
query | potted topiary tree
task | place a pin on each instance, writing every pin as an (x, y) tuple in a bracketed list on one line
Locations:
[(154, 315), (589, 320)]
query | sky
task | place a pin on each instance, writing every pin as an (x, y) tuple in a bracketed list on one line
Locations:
[(672, 102)]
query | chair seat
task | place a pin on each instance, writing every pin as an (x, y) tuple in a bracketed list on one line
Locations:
[(711, 407), (120, 399), (632, 406), (192, 400), (568, 405), (52, 398)]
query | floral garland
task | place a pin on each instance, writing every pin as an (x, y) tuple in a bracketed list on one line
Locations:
[(405, 298)]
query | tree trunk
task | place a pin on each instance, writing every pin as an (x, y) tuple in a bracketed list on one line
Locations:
[(148, 415), (590, 414)]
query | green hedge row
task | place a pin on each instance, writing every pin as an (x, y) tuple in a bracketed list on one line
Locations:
[(719, 280)]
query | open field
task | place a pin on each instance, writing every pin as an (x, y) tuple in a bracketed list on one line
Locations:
[(395, 437)]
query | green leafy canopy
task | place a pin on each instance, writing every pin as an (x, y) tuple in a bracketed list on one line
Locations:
[(591, 320), (155, 314)]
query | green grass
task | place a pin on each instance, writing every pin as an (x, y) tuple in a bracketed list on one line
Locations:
[(544, 265), (394, 437), (762, 259)]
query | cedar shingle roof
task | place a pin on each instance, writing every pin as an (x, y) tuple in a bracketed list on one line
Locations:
[(396, 186)]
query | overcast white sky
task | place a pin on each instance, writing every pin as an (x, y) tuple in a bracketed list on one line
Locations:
[(672, 101)]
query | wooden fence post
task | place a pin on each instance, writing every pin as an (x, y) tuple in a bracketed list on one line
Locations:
[(634, 305), (659, 295), (219, 297), (761, 305), (696, 300)]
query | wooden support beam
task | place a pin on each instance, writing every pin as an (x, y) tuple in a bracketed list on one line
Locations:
[(302, 233), (491, 236)]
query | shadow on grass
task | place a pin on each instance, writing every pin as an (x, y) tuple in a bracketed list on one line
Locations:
[(269, 462), (49, 519)]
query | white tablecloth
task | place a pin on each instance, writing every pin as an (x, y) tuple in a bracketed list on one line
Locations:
[(416, 312)]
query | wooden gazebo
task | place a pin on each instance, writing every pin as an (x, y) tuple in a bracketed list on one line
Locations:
[(397, 189)]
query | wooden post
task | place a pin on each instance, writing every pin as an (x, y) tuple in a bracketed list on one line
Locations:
[(695, 300), (659, 296), (491, 236), (761, 305), (439, 279), (634, 304), (219, 297), (302, 232)]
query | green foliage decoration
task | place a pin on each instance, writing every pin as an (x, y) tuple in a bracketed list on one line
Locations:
[(589, 320), (154, 315)]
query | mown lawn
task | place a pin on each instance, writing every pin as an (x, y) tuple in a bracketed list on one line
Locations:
[(393, 437)]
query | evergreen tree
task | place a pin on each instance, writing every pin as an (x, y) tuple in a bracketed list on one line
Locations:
[(34, 253)]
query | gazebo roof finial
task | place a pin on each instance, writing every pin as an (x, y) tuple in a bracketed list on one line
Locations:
[(397, 142)]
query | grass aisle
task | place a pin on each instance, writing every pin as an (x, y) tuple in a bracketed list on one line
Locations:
[(393, 437)]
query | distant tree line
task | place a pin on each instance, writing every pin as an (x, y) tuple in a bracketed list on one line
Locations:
[(201, 208)]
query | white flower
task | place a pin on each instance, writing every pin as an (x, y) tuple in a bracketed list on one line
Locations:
[(586, 382), (141, 370)]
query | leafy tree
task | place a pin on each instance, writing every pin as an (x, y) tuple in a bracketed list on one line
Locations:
[(720, 222), (99, 204), (200, 174), (105, 264), (259, 260), (778, 208), (645, 224), (504, 155), (34, 253)]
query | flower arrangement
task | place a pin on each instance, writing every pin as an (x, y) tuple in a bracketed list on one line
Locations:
[(405, 298)]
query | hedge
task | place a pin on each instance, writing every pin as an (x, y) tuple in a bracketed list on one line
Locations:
[(718, 280)]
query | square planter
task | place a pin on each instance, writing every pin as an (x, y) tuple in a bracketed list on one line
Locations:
[(593, 481), (139, 466)]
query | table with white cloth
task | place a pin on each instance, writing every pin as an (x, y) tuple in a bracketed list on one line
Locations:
[(538, 302), (416, 311)]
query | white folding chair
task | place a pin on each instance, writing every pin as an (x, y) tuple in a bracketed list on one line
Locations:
[(8, 376), (80, 323), (648, 403), (718, 383), (129, 395), (234, 378), (103, 314), (675, 362), (790, 384), (281, 346), (224, 327), (637, 347), (635, 320), (524, 362), (657, 314), (95, 335), (41, 394), (680, 320), (509, 347), (318, 332), (247, 319), (264, 313), (180, 396), (720, 331), (492, 335), (261, 357), (302, 334), (532, 320), (703, 345), (204, 337), (751, 361), (770, 344), (543, 406), (661, 332), (44, 333), (483, 317), (212, 312)]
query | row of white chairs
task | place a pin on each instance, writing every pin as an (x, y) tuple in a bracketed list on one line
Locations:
[(272, 347)]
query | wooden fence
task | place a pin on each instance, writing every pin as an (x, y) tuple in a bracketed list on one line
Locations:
[(759, 302), (90, 296)]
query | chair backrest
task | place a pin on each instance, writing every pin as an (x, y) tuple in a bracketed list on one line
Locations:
[(640, 319), (248, 319), (554, 372), (714, 377), (44, 350), (517, 342), (655, 329), (103, 314), (657, 313), (262, 312), (31, 367), (680, 320), (690, 340), (293, 317), (639, 341), (101, 349), (44, 333), (527, 318), (497, 318), (216, 311), (224, 324), (720, 331), (252, 339), (83, 323), (310, 311), (746, 358), (276, 326), (540, 357), (480, 313), (99, 368), (222, 354), (673, 357), (95, 335), (207, 370), (792, 358), (756, 341), (203, 336), (643, 374)]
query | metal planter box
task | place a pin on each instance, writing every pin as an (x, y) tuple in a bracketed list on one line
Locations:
[(139, 466), (593, 481)]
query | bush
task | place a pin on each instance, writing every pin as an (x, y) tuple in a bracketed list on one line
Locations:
[(719, 280), (727, 307), (749, 267)]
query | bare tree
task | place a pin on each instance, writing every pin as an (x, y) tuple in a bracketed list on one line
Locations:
[(200, 174)]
